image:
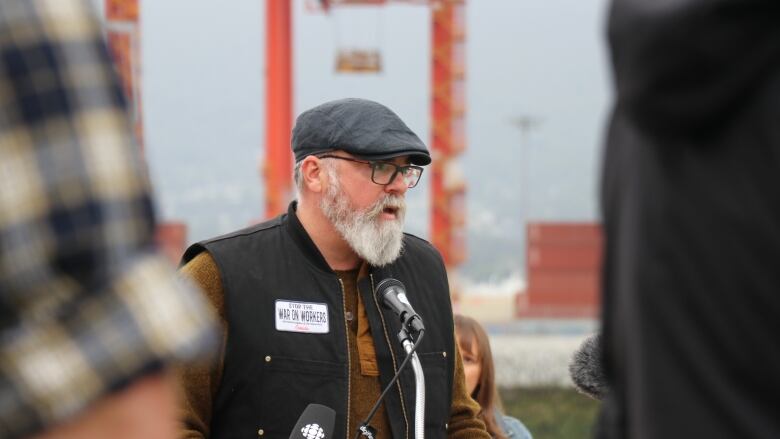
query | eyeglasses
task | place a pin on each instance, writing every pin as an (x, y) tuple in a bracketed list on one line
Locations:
[(383, 173)]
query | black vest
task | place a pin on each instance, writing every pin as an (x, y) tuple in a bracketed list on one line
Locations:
[(270, 376)]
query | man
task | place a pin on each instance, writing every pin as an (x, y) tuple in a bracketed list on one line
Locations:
[(90, 317), (691, 199), (355, 160)]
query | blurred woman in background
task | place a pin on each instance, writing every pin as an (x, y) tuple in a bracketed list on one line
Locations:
[(481, 380)]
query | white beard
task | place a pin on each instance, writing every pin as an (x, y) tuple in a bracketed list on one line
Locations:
[(379, 242)]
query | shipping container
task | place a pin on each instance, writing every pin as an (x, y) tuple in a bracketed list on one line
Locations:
[(563, 271)]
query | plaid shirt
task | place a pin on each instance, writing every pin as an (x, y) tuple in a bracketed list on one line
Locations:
[(86, 305)]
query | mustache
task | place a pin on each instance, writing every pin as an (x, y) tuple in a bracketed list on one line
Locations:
[(391, 201)]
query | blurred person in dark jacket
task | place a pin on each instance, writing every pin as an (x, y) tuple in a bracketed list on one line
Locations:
[(90, 317), (691, 204)]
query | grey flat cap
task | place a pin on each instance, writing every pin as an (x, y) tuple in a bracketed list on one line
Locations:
[(363, 128)]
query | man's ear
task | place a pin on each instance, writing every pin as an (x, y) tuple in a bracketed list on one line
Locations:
[(313, 173)]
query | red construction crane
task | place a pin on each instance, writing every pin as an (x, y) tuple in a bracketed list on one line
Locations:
[(448, 110), (124, 43), (447, 106), (277, 167)]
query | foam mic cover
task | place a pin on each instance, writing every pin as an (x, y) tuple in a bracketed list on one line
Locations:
[(316, 422), (586, 368)]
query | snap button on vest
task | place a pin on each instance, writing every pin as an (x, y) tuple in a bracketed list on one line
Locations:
[(267, 358), (260, 432)]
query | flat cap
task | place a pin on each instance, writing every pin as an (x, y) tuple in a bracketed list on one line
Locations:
[(363, 128)]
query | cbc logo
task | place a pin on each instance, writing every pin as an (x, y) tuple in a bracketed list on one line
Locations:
[(312, 431)]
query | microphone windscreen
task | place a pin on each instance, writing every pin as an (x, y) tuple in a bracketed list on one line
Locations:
[(586, 369), (387, 283), (316, 422)]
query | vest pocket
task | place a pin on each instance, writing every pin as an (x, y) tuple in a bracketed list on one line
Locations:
[(288, 385), (437, 405)]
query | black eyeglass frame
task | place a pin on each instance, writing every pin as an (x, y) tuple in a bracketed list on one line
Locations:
[(399, 169)]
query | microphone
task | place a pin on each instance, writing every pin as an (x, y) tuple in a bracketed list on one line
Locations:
[(587, 370), (392, 294), (316, 422)]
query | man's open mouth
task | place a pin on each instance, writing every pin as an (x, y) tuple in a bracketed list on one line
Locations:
[(390, 210)]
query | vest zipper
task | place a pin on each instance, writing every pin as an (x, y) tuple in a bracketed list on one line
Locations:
[(392, 356), (349, 357)]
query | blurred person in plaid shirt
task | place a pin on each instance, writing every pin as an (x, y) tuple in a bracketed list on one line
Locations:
[(90, 317)]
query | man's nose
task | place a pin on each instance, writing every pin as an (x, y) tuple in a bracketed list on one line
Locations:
[(398, 185)]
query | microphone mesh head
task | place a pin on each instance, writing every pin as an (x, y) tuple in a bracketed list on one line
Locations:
[(387, 283), (586, 369)]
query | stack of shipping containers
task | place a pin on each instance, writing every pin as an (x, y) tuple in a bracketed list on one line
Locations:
[(563, 263)]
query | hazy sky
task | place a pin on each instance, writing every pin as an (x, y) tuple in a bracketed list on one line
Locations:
[(203, 73)]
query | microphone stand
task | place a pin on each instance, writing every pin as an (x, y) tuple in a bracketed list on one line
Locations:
[(419, 384), (419, 414)]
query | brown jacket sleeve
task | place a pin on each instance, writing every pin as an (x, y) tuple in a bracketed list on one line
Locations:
[(464, 423), (200, 381)]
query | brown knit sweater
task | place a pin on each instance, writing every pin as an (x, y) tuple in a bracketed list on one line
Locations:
[(201, 381)]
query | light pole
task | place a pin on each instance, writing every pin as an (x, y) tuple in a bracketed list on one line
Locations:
[(526, 123)]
